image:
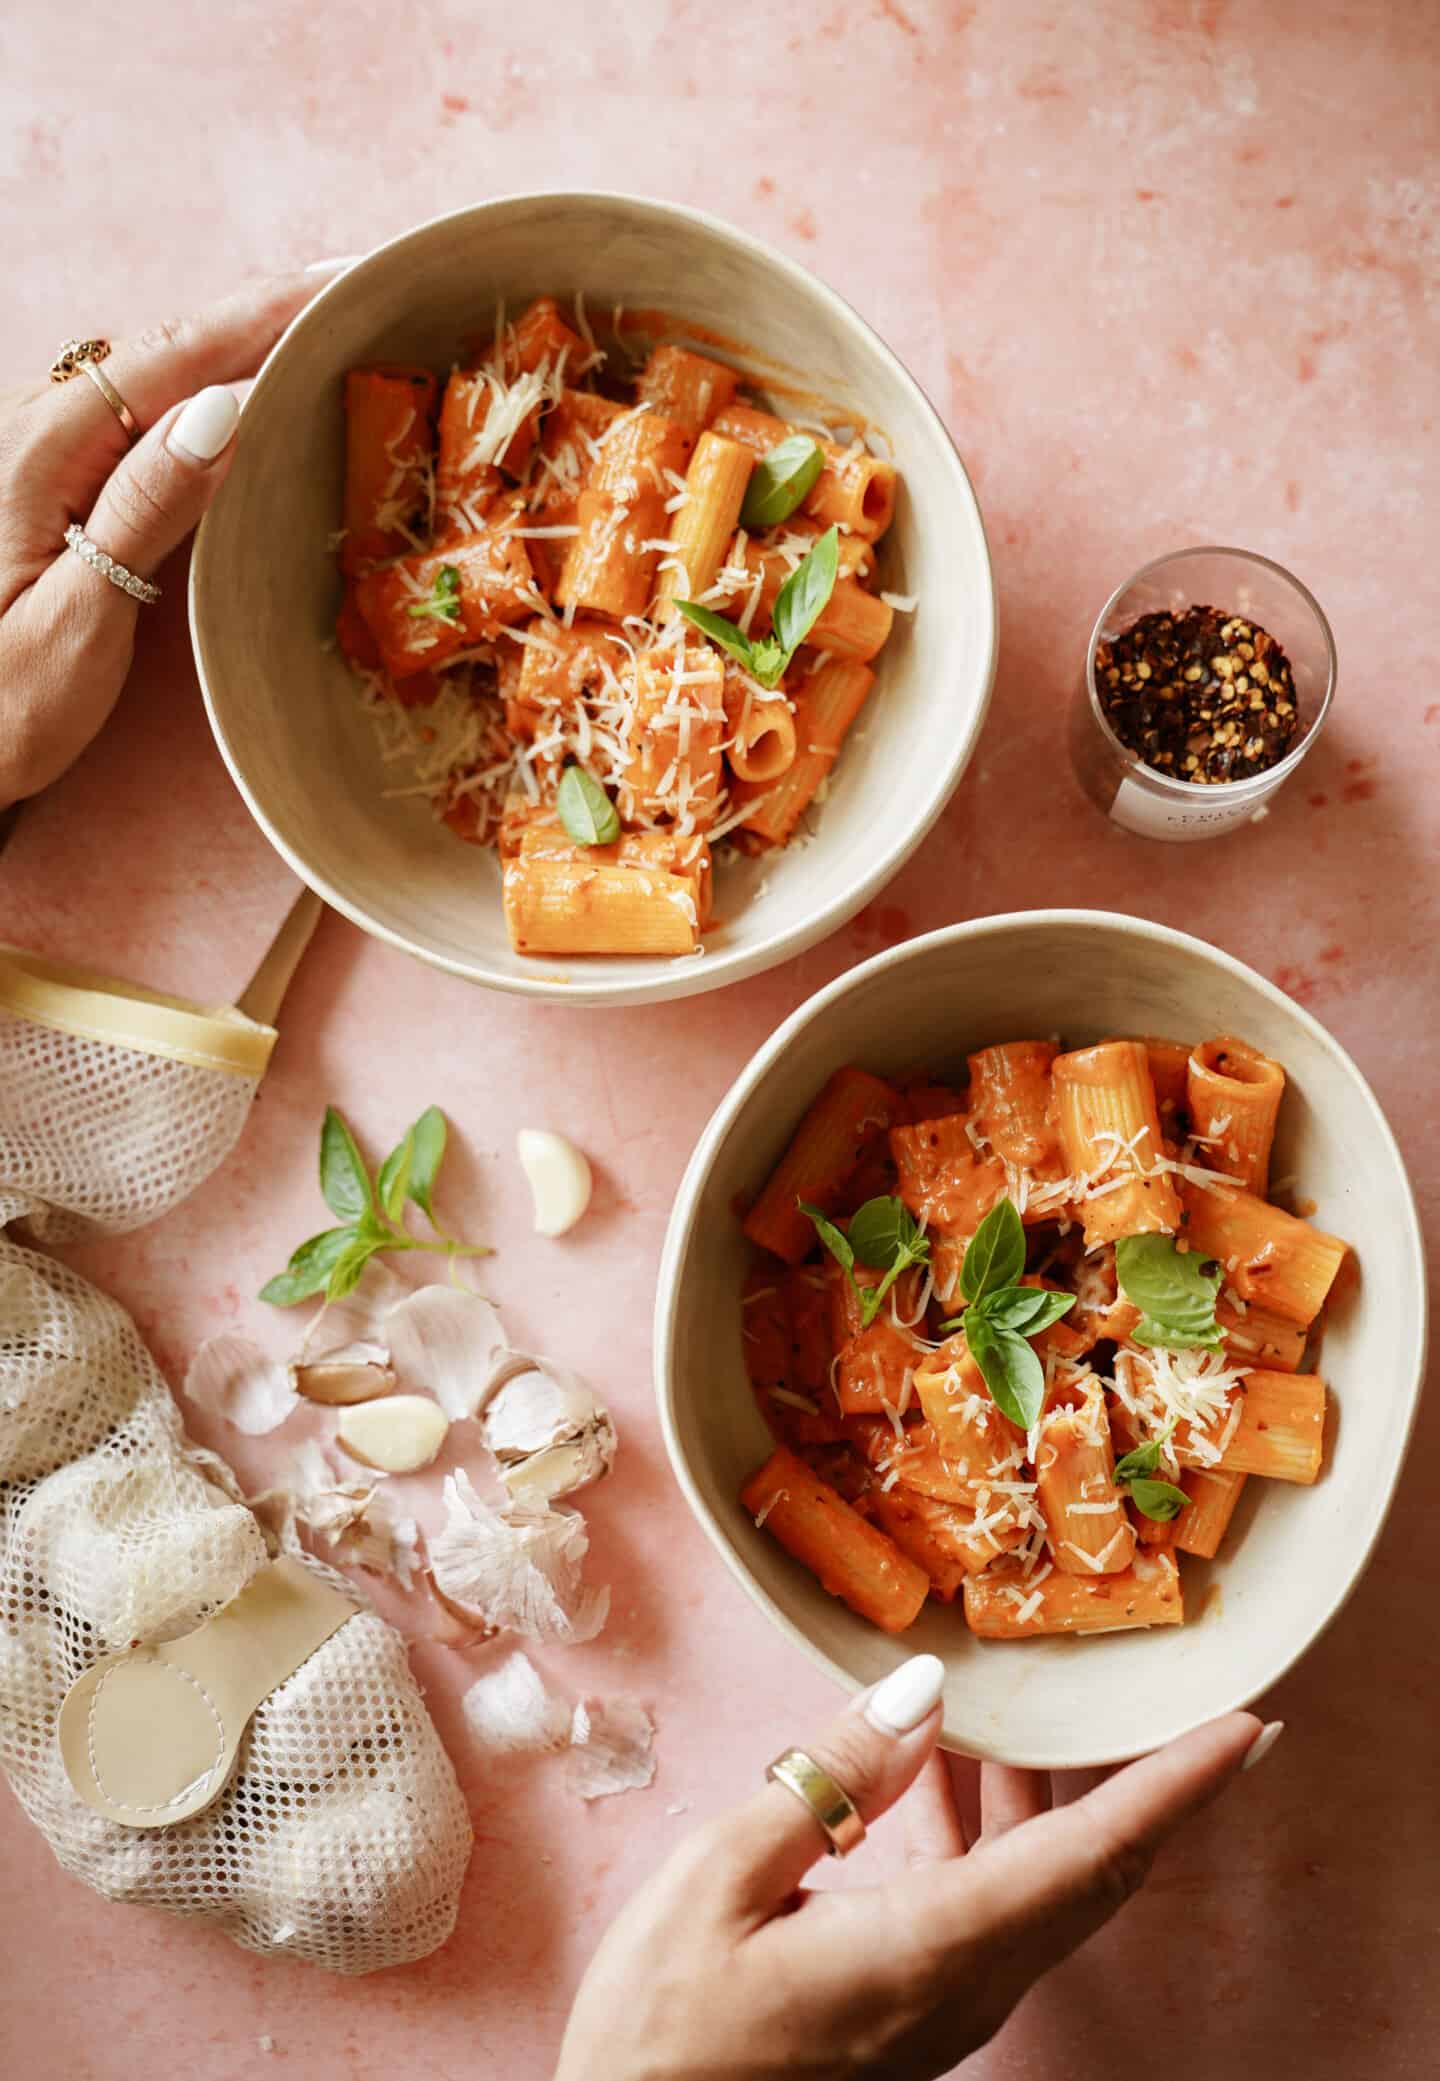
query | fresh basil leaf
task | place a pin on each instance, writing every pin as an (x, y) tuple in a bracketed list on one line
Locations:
[(1173, 1290), (1143, 1460), (781, 481), (309, 1268), (344, 1179), (427, 1148), (835, 1239), (1011, 1371), (1158, 1499), (995, 1255), (1170, 1336), (884, 1230), (444, 601), (392, 1187), (720, 631), (805, 595), (1028, 1309), (585, 809)]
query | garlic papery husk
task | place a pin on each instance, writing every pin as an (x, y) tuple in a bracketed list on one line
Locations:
[(354, 1373), (357, 1316), (510, 1709), (515, 1569), (551, 1434), (451, 1341), (612, 1747), (311, 1495), (559, 1178), (231, 1376)]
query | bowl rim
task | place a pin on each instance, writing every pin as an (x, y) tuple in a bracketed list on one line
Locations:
[(681, 1230), (681, 979)]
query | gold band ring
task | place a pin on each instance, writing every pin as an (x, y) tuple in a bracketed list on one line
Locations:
[(111, 396), (827, 1800), (73, 355)]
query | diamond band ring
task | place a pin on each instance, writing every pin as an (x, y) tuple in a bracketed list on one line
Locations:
[(90, 553)]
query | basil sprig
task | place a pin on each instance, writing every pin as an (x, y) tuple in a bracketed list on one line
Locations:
[(781, 481), (800, 602), (1135, 1471), (444, 601), (585, 809), (884, 1237), (371, 1212), (1175, 1291), (1003, 1315)]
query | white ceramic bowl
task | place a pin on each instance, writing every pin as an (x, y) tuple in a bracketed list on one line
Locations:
[(1293, 1554), (263, 590)]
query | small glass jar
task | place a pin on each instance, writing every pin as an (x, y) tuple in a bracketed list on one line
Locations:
[(1117, 780)]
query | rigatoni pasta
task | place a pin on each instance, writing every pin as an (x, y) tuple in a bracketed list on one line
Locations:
[(557, 558), (1038, 1405)]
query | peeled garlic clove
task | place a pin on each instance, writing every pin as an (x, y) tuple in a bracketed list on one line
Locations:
[(560, 1180), (398, 1434), (551, 1434), (356, 1373)]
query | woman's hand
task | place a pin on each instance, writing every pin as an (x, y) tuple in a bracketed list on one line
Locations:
[(724, 1969), (67, 633)]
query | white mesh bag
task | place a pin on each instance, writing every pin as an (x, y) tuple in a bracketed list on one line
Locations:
[(341, 1836)]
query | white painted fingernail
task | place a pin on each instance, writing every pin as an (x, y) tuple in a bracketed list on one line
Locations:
[(1263, 1743), (906, 1695), (332, 265), (206, 424)]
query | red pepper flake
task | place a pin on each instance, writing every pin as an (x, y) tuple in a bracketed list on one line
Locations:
[(1202, 695)]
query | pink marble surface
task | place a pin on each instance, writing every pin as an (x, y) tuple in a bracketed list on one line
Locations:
[(1169, 268)]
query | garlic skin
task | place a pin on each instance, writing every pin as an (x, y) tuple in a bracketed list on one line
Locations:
[(337, 1379), (612, 1748), (559, 1177), (451, 1341), (516, 1569), (398, 1434), (509, 1709), (231, 1376), (550, 1433)]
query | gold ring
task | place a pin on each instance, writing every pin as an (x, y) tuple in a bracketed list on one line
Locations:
[(111, 396), (827, 1800), (73, 356)]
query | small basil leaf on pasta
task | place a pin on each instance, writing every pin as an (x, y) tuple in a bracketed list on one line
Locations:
[(585, 809), (768, 663), (1173, 1289), (835, 1239), (805, 595), (883, 1230), (1143, 1460), (1158, 1499), (781, 481), (720, 631), (1028, 1309), (444, 601), (1010, 1369), (344, 1180), (995, 1255)]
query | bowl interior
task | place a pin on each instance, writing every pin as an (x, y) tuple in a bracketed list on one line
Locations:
[(1292, 1553), (264, 589)]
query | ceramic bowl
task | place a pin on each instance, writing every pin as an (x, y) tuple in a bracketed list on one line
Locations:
[(1292, 1555), (264, 590)]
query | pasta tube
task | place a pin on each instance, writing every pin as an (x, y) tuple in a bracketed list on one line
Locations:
[(1270, 1257), (496, 587), (609, 569), (943, 1180), (699, 532), (760, 741), (940, 1537), (1002, 1604), (1013, 1106), (1275, 1425), (1234, 1095), (1085, 1519), (1110, 1136), (849, 1117), (387, 463), (688, 388), (852, 624), (1213, 1493), (673, 731), (564, 907), (850, 1558), (826, 705)]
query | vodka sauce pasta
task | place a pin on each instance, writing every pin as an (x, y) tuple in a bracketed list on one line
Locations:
[(1025, 1339), (557, 556)]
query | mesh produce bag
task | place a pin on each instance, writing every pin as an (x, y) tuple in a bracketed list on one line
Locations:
[(341, 1836)]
